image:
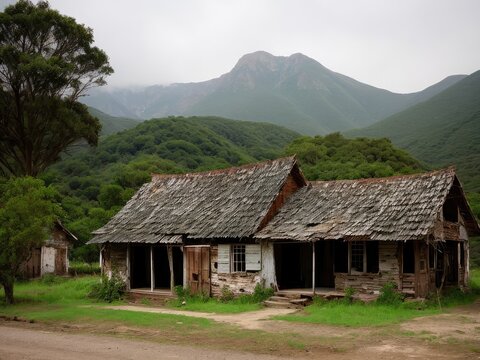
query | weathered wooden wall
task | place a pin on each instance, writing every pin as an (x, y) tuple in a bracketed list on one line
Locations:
[(268, 274), (368, 283), (114, 259), (238, 283)]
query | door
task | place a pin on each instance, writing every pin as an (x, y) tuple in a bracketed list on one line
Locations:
[(198, 269), (60, 261)]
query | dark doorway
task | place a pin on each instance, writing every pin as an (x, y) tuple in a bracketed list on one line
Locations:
[(452, 262), (140, 266), (324, 256), (161, 267), (293, 265), (177, 254), (408, 258)]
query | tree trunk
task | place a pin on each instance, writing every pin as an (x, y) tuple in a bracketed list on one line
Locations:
[(8, 288)]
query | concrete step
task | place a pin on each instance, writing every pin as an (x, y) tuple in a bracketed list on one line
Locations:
[(302, 302)]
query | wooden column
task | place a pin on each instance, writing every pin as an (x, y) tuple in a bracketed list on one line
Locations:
[(152, 274), (101, 260), (170, 265), (313, 267), (128, 267)]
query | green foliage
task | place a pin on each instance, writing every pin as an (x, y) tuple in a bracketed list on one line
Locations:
[(76, 268), (227, 294), (334, 157), (261, 293), (109, 289), (348, 298), (28, 211), (389, 295), (96, 183), (444, 130), (47, 63)]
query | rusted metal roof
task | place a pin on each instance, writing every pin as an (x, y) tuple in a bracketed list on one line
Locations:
[(394, 208), (229, 203)]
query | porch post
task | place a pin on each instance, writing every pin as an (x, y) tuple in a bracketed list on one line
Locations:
[(152, 274), (170, 265), (128, 266), (101, 259), (313, 267)]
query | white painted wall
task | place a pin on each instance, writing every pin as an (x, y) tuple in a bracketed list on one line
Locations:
[(268, 265)]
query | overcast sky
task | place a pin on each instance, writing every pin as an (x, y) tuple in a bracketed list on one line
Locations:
[(402, 46)]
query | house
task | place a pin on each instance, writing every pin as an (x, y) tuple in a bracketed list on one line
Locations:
[(52, 257), (264, 223), (411, 230)]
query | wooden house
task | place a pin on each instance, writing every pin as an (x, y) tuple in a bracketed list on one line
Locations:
[(264, 224), (52, 257), (411, 230)]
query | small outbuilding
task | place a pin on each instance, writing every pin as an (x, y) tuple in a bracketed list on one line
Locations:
[(52, 257)]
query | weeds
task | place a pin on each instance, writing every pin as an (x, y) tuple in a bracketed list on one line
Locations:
[(108, 289)]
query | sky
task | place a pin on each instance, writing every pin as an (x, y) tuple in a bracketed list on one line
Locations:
[(402, 46)]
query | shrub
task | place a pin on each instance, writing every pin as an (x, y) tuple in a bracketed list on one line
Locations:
[(349, 292), (261, 293), (108, 289), (227, 294), (389, 295), (81, 268)]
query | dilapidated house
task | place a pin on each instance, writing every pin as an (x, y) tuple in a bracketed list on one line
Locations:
[(264, 223), (197, 230), (411, 230), (52, 257)]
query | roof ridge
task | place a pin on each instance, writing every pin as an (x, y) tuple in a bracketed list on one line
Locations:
[(449, 169), (234, 169)]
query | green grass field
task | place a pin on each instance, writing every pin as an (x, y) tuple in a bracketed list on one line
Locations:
[(360, 314)]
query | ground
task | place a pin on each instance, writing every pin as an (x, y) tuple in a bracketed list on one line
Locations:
[(451, 335)]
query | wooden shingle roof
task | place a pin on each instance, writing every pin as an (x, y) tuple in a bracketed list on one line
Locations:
[(229, 203), (394, 208)]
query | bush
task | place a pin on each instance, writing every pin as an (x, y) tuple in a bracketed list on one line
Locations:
[(81, 268), (227, 294), (389, 295), (108, 289), (261, 293), (349, 292)]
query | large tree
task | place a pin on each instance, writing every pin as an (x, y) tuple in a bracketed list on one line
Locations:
[(28, 211), (47, 61)]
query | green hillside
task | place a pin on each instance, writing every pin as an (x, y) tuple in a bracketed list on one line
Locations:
[(444, 130), (112, 124)]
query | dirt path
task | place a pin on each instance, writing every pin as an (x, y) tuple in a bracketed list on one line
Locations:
[(251, 320), (20, 344)]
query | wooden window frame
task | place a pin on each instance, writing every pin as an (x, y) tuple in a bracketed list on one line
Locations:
[(238, 257)]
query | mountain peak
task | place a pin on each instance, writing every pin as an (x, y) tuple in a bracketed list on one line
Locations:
[(256, 59)]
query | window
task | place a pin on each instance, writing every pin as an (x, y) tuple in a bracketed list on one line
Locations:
[(357, 256), (238, 258), (363, 257)]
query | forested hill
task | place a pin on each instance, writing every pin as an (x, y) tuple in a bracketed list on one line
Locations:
[(441, 131)]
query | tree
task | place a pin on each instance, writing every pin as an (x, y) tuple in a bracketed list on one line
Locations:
[(27, 213), (47, 62)]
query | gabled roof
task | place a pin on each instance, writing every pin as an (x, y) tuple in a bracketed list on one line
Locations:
[(393, 208), (229, 203)]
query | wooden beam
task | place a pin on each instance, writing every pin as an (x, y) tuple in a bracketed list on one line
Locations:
[(128, 267), (313, 267), (152, 274), (170, 265)]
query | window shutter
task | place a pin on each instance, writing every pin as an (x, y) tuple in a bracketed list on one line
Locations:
[(253, 257), (223, 258)]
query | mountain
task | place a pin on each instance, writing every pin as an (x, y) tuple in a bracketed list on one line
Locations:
[(295, 91), (112, 124), (441, 131)]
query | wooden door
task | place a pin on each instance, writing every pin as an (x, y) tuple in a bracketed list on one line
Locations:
[(198, 269), (421, 273), (60, 261)]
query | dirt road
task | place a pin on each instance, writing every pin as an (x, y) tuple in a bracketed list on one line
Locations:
[(21, 344)]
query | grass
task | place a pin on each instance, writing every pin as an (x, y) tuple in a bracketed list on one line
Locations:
[(214, 306), (359, 314)]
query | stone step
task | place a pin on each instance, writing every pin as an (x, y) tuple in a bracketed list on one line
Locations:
[(279, 304), (280, 298), (302, 302)]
